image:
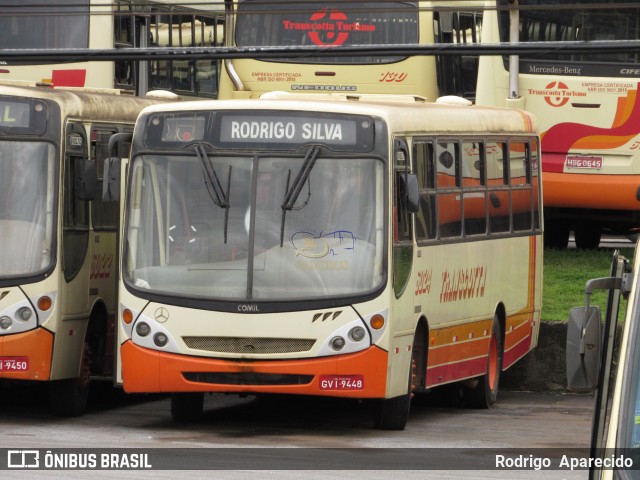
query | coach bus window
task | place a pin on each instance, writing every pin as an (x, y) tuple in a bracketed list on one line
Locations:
[(474, 188), (76, 220), (449, 191), (65, 25), (425, 219), (498, 181)]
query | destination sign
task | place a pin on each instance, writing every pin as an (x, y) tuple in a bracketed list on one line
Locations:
[(15, 114), (270, 129), (266, 129)]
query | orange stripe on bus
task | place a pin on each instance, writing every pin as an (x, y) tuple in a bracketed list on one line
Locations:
[(146, 370), (37, 345), (591, 191)]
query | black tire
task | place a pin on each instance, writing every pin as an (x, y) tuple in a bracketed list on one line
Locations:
[(187, 407), (556, 234), (393, 413), (68, 398), (485, 392), (587, 237)]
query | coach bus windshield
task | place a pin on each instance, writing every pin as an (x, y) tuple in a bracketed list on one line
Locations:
[(544, 21), (327, 24), (256, 226), (26, 207)]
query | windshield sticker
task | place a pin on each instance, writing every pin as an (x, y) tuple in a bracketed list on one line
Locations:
[(311, 244), (327, 28)]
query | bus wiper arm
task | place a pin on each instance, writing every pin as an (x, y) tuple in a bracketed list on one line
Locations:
[(220, 197), (294, 191)]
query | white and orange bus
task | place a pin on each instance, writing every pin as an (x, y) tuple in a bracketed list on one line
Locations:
[(324, 244), (58, 257), (586, 105), (96, 25)]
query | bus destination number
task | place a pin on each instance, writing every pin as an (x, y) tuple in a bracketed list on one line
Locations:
[(14, 364), (341, 382)]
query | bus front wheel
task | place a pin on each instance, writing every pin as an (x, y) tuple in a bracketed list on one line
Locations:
[(393, 413), (68, 398), (187, 407)]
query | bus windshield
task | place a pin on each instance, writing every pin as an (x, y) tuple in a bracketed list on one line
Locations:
[(26, 26), (328, 24), (26, 207), (256, 227), (560, 23)]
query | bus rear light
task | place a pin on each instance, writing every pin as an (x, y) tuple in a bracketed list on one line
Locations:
[(5, 323), (377, 322), (127, 316), (143, 329), (44, 303)]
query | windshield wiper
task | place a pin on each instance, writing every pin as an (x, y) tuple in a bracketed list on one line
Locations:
[(219, 196), (293, 192)]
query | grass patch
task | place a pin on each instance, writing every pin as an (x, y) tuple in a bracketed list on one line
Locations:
[(565, 274)]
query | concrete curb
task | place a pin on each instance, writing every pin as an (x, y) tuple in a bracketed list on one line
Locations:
[(544, 368)]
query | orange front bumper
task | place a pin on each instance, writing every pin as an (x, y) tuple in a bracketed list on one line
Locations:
[(145, 370), (36, 345)]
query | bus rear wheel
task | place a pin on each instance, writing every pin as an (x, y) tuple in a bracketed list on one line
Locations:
[(587, 236), (187, 407), (485, 393)]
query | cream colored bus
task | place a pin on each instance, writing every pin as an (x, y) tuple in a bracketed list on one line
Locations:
[(366, 247), (58, 257)]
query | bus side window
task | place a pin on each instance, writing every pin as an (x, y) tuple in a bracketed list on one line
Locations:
[(498, 183), (474, 188), (76, 211), (104, 215), (426, 226), (520, 181), (449, 191)]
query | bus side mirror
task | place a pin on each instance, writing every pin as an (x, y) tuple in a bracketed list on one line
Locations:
[(583, 349), (86, 180), (410, 191), (111, 180)]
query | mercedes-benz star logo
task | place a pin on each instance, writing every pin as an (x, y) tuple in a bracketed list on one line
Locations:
[(161, 314)]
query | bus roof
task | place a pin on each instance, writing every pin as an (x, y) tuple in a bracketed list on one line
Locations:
[(97, 104), (400, 113)]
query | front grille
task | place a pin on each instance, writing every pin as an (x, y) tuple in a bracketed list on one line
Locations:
[(249, 344), (248, 378)]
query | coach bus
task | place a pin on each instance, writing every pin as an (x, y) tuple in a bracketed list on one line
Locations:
[(587, 107), (58, 257), (330, 24), (364, 247), (98, 25)]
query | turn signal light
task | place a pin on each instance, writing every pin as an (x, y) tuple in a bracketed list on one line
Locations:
[(377, 322)]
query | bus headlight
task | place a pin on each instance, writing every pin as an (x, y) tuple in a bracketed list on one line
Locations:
[(24, 314), (143, 329), (357, 333), (160, 339), (5, 322), (337, 343)]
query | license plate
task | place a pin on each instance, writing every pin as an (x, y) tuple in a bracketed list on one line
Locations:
[(341, 382), (583, 161), (14, 364)]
